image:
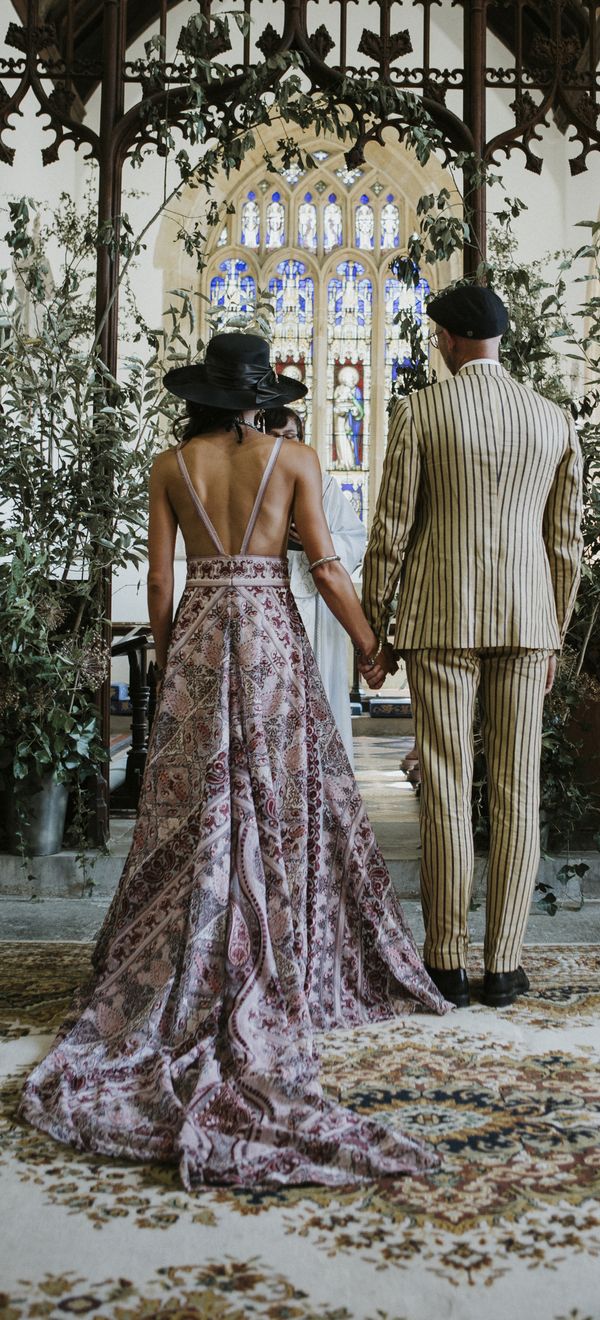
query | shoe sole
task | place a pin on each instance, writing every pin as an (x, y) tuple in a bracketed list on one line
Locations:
[(502, 1001)]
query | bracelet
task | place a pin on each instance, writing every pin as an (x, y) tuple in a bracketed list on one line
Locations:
[(327, 559), (367, 661)]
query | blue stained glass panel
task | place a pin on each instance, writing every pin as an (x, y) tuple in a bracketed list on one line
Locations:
[(350, 297), (233, 287), (353, 490), (292, 292)]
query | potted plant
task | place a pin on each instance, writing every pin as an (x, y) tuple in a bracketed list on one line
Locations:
[(75, 446)]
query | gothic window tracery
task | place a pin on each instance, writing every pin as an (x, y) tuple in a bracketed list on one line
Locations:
[(323, 258)]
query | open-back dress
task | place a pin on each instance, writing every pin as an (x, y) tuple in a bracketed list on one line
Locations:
[(254, 909)]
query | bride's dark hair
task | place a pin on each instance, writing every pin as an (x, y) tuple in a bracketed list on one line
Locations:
[(199, 418)]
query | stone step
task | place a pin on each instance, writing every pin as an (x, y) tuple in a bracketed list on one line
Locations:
[(70, 919), (63, 877)]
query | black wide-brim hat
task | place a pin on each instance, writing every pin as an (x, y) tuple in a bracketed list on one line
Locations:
[(471, 311), (236, 373)]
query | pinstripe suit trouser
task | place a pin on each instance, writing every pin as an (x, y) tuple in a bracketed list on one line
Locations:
[(444, 685)]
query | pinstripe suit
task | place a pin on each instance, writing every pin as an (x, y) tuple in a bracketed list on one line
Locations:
[(478, 525)]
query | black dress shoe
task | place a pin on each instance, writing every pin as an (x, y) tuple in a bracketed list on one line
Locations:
[(452, 984), (502, 988)]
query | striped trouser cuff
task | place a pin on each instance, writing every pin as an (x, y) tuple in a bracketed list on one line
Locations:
[(444, 686)]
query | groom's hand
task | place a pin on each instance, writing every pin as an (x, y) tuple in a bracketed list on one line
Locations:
[(551, 673), (388, 653), (384, 664)]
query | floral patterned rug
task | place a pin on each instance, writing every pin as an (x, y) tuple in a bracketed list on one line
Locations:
[(509, 1227)]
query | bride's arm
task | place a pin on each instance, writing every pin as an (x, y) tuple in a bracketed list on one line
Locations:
[(162, 531), (331, 580)]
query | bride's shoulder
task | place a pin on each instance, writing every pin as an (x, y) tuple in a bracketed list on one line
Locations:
[(300, 458), (165, 459), (163, 465)]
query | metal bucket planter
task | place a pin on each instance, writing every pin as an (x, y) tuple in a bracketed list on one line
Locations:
[(42, 822)]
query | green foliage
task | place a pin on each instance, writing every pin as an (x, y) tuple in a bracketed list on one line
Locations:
[(75, 446)]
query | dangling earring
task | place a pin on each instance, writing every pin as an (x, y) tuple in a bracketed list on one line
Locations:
[(259, 420), (238, 422)]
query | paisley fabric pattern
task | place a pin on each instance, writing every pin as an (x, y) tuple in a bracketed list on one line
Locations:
[(254, 908)]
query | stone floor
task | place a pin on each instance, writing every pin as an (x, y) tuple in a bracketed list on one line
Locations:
[(394, 811)]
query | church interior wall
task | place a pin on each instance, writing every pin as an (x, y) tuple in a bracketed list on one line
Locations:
[(556, 201)]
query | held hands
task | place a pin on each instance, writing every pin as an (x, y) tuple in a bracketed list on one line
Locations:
[(383, 663)]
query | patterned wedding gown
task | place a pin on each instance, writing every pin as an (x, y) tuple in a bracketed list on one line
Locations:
[(254, 909)]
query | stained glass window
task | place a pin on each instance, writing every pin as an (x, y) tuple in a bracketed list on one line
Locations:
[(251, 222), (349, 332), (354, 492), (292, 174), (398, 297), (348, 176), (275, 227), (307, 223), (234, 290), (357, 226), (390, 223), (333, 235), (365, 224), (292, 294)]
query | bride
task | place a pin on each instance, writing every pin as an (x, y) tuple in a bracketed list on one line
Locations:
[(254, 906)]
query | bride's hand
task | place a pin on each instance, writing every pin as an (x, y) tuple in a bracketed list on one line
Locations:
[(375, 674)]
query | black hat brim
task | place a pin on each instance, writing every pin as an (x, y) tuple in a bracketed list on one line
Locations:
[(193, 383)]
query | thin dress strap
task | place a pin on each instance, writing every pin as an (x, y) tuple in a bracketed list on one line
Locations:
[(198, 505), (260, 494)]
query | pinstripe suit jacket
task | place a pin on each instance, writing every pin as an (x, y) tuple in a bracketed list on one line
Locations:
[(477, 518)]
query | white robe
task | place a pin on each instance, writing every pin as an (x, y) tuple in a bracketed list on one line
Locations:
[(326, 636)]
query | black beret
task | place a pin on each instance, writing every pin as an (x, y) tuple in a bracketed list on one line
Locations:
[(471, 311)]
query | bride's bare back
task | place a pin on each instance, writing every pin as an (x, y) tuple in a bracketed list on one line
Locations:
[(226, 476)]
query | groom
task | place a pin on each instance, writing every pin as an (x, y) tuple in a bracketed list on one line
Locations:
[(478, 526)]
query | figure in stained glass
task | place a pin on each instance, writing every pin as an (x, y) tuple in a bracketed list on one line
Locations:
[(307, 223), (348, 414), (275, 228), (365, 224), (332, 224), (390, 224), (233, 290), (251, 222)]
